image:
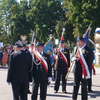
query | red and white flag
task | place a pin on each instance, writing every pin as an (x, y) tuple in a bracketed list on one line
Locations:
[(39, 57), (83, 62), (63, 57)]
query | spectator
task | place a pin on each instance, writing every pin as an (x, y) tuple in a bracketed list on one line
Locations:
[(1, 55), (5, 57)]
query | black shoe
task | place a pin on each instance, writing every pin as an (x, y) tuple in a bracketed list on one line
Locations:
[(56, 92), (64, 92), (90, 91), (29, 92)]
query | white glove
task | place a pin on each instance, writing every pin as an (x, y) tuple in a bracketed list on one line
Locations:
[(49, 79)]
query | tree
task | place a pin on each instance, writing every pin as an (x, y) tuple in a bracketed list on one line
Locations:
[(4, 15), (45, 17), (81, 13), (4, 20), (41, 16), (19, 23)]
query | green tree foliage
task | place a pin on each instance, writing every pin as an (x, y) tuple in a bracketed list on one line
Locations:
[(41, 16), (44, 16), (81, 13), (4, 20), (19, 23), (4, 15)]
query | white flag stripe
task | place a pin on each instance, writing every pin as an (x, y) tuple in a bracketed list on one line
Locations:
[(40, 56), (64, 57), (36, 53), (86, 66)]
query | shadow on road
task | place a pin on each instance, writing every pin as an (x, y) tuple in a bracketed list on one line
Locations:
[(96, 85), (94, 94), (59, 95), (67, 84), (3, 67)]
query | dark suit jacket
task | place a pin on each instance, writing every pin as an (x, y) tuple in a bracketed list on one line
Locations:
[(20, 65), (61, 63), (89, 56)]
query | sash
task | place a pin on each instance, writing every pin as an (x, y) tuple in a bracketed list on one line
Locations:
[(85, 70), (63, 57), (40, 58)]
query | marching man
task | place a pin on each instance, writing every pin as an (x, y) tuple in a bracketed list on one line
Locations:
[(83, 64), (62, 65)]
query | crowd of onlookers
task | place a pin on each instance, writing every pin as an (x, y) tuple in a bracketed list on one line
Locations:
[(4, 55)]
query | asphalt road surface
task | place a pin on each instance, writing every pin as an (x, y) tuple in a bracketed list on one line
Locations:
[(6, 90)]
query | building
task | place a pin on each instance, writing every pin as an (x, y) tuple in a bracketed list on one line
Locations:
[(97, 45)]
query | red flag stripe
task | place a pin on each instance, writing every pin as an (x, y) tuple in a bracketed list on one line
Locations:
[(39, 57), (62, 38), (84, 65), (42, 60), (64, 57)]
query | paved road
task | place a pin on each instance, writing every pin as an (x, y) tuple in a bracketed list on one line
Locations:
[(6, 93)]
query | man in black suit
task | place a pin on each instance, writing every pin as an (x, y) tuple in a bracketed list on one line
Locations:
[(78, 74), (18, 73), (62, 67), (40, 76)]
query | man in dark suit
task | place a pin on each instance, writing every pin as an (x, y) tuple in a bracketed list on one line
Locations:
[(78, 75), (40, 76), (48, 53), (62, 67), (18, 73)]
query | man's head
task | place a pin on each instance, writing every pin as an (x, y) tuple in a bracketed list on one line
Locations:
[(81, 42), (19, 45), (51, 39), (40, 46)]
